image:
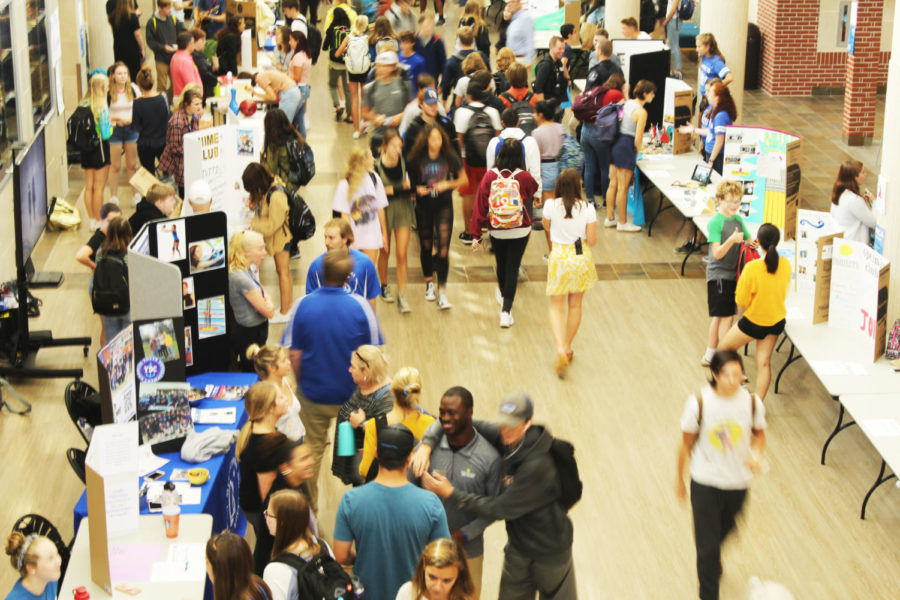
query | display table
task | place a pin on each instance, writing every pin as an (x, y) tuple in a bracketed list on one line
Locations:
[(151, 541), (219, 495)]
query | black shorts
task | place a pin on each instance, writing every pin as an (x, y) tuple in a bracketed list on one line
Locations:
[(758, 332), (358, 77), (720, 297)]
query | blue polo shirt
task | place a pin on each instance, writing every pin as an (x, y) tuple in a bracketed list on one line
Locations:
[(711, 66), (328, 325), (363, 280), (716, 126)]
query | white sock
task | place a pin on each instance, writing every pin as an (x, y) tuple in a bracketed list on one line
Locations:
[(710, 352)]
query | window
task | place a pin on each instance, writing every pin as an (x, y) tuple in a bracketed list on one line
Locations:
[(843, 23), (8, 127), (39, 60)]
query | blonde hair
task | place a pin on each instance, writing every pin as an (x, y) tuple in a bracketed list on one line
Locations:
[(129, 87), (258, 402), (187, 95), (729, 187), (265, 357), (373, 360), (505, 57), (237, 248), (342, 225), (360, 25), (407, 387), (474, 9), (356, 168), (473, 62), (442, 553), (99, 91)]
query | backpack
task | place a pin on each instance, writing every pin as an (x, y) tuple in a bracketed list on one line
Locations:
[(587, 104), (524, 110), (570, 484), (81, 130), (357, 58), (320, 578), (686, 10), (109, 296), (478, 136), (302, 162), (314, 39), (505, 206), (892, 351), (608, 121), (571, 155), (301, 222), (745, 255)]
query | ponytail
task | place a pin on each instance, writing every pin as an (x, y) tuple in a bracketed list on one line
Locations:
[(768, 237)]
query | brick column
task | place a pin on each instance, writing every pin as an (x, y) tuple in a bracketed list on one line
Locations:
[(789, 32), (858, 124)]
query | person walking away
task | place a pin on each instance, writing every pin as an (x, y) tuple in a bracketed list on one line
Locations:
[(430, 46), (338, 28), (150, 119), (356, 58), (114, 248), (549, 136), (279, 132), (596, 151)]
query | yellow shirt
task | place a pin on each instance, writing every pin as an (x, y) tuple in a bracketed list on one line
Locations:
[(417, 423), (762, 293)]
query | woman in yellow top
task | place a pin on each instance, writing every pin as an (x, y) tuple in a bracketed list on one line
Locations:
[(269, 202), (761, 291), (407, 388)]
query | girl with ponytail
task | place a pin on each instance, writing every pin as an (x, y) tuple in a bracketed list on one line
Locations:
[(273, 364), (761, 291)]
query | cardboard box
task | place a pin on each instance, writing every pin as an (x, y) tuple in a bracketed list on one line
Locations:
[(822, 293), (143, 180), (792, 189)]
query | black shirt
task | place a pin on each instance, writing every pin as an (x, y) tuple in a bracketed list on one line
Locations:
[(259, 456), (125, 46), (150, 118), (600, 73), (392, 176), (95, 242), (144, 212), (550, 79)]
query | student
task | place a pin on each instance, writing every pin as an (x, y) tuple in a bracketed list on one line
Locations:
[(435, 170), (505, 59), (338, 25), (409, 60), (182, 66), (426, 108), (549, 137), (184, 120), (361, 200), (122, 94), (208, 14), (624, 156), (118, 236), (229, 565), (726, 232), (520, 32), (229, 45), (442, 572), (712, 64), (128, 42), (430, 46), (363, 278), (453, 67), (278, 88), (385, 98), (761, 291), (301, 64), (37, 560), (163, 28), (508, 242), (250, 303), (851, 208), (596, 152), (278, 133), (550, 79), (283, 52), (95, 163), (401, 16), (572, 224), (438, 9), (273, 364), (672, 24), (570, 37), (206, 69), (472, 16), (87, 253), (357, 63), (631, 31), (400, 215), (723, 435), (158, 204), (150, 119), (518, 91), (600, 36), (719, 114), (199, 197)]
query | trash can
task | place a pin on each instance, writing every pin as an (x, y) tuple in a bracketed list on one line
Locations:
[(754, 57)]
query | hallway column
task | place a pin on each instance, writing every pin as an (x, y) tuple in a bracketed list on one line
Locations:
[(616, 10), (890, 167), (727, 21), (858, 123)]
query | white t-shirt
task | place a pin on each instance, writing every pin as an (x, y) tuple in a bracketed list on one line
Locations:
[(289, 423), (853, 216), (566, 231), (363, 209), (282, 578), (464, 113), (405, 592), (723, 444)]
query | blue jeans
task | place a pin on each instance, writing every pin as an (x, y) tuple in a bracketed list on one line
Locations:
[(293, 103), (596, 163), (112, 326), (673, 30), (300, 118)]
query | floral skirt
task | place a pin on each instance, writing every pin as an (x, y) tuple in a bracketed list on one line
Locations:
[(568, 272)]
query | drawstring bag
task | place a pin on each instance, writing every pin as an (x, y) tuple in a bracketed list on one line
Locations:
[(636, 200)]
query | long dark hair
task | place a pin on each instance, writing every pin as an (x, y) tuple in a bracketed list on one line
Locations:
[(846, 179), (291, 521), (302, 42), (568, 187), (257, 180), (278, 131), (720, 359), (118, 236), (420, 148), (231, 27), (768, 237), (511, 156), (232, 567), (119, 11), (724, 101)]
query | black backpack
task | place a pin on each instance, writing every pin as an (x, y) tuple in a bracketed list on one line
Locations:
[(302, 161), (314, 39), (109, 296), (321, 578), (563, 454), (338, 29), (524, 110), (478, 136), (82, 130), (301, 222)]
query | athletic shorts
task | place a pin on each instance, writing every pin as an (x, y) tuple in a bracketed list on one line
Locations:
[(720, 297), (475, 175), (759, 332)]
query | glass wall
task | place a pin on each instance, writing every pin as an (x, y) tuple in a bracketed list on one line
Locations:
[(8, 127)]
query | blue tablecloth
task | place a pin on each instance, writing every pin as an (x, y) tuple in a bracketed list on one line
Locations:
[(220, 493)]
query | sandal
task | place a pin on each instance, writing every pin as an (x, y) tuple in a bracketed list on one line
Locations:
[(562, 363)]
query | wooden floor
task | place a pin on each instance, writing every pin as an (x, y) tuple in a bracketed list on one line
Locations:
[(636, 360)]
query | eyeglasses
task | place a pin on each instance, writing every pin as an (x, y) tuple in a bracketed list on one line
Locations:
[(268, 515)]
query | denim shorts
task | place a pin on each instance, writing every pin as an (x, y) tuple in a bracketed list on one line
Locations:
[(549, 173), (123, 135)]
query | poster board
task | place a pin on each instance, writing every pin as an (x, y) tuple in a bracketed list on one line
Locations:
[(767, 163), (811, 225), (115, 378), (822, 290), (677, 111), (859, 293), (111, 481)]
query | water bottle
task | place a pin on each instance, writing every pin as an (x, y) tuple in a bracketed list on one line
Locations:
[(81, 593), (170, 509), (359, 591)]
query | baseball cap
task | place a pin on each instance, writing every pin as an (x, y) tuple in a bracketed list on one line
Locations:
[(199, 193), (395, 442), (431, 96), (387, 58), (515, 409)]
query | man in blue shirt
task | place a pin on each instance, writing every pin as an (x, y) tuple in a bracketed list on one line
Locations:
[(363, 279), (390, 519), (328, 326), (520, 33), (211, 13)]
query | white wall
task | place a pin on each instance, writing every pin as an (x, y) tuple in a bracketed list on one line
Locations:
[(828, 26)]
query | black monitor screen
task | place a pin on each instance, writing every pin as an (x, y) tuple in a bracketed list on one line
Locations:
[(31, 197)]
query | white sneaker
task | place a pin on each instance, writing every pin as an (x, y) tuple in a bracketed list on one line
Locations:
[(610, 222), (94, 224), (498, 295), (429, 291), (506, 319), (628, 227), (280, 317), (355, 135), (114, 200), (443, 303), (403, 305)]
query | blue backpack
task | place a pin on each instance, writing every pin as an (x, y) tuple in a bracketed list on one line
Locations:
[(686, 10), (607, 122)]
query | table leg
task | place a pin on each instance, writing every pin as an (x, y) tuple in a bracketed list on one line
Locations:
[(784, 338), (791, 358), (881, 479), (837, 429), (659, 209)]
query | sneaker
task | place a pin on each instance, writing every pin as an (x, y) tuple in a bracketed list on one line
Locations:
[(678, 75), (114, 200), (688, 246), (439, 20), (403, 305), (498, 296), (466, 238), (429, 291), (295, 253), (628, 227), (386, 294), (443, 302), (506, 319), (339, 112), (355, 135), (610, 222), (280, 318), (94, 224), (704, 362)]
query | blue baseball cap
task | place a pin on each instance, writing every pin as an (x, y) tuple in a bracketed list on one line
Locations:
[(431, 96)]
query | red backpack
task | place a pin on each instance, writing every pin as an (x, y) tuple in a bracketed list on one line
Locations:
[(587, 104), (745, 255)]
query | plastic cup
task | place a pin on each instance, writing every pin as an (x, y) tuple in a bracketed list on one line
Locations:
[(346, 443), (171, 516)]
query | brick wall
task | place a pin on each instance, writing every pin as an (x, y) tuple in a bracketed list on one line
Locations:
[(791, 63), (858, 122)]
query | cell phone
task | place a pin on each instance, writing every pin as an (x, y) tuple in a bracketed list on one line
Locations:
[(154, 506), (155, 475), (578, 248)]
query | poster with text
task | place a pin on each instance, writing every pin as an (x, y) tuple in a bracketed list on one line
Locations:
[(211, 155), (117, 358), (210, 317), (811, 225)]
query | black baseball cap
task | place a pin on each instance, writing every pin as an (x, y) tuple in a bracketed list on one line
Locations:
[(395, 441)]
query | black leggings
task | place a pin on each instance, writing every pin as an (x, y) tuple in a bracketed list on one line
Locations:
[(434, 214), (311, 6), (148, 155), (508, 253)]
